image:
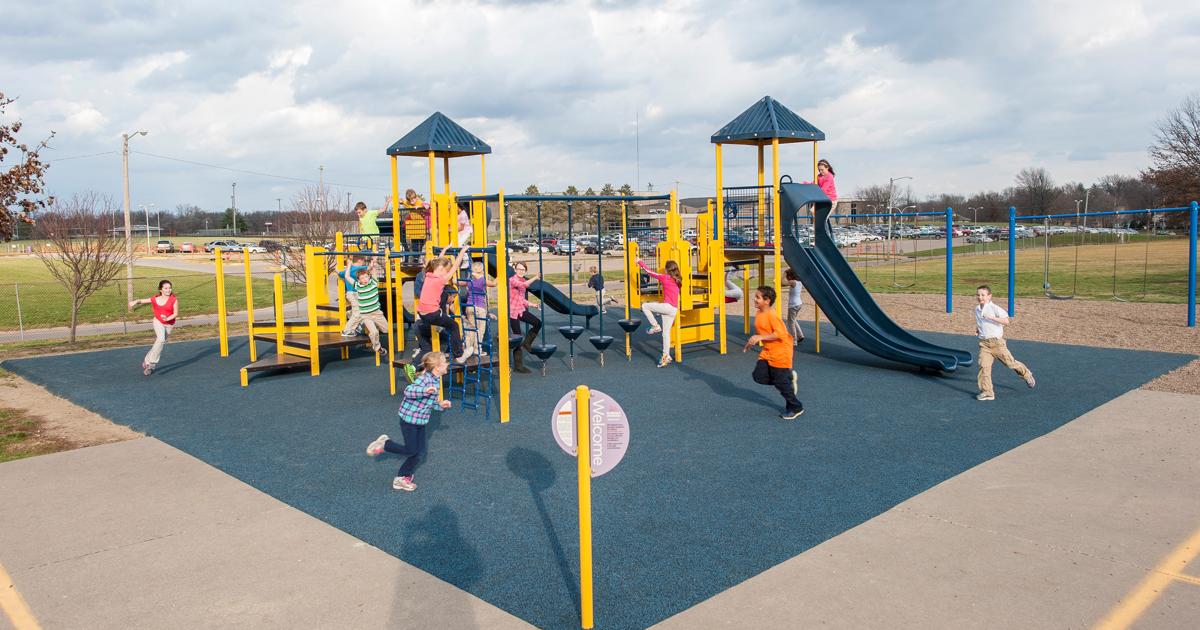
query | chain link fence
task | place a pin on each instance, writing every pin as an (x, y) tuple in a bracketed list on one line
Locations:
[(41, 309)]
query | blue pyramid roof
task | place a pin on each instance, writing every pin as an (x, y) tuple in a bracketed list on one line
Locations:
[(765, 120), (441, 135)]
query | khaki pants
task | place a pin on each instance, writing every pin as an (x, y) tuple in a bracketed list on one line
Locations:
[(477, 318), (355, 318), (991, 350), (668, 314), (375, 323), (161, 332), (793, 323)]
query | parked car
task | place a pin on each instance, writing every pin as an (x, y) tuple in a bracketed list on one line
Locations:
[(565, 247), (253, 249), (223, 244), (187, 248), (517, 246), (551, 243), (979, 238), (164, 247)]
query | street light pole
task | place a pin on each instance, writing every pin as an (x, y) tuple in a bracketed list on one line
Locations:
[(146, 209), (128, 229), (891, 183), (233, 207)]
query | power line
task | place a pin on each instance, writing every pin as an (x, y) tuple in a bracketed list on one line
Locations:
[(258, 173), (79, 157)]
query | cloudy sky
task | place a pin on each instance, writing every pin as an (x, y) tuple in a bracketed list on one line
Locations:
[(957, 95)]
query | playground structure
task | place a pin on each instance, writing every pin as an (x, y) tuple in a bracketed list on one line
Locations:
[(742, 227)]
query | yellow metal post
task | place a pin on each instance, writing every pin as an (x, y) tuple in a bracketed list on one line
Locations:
[(776, 226), (339, 266), (719, 234), (278, 290), (250, 306), (399, 310), (502, 307), (628, 274), (685, 264), (429, 239), (746, 299), (817, 322), (315, 281), (392, 328), (583, 406), (761, 222), (222, 324), (395, 202)]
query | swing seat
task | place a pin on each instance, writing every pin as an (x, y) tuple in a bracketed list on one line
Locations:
[(544, 351), (629, 325), (571, 332), (600, 342), (515, 340)]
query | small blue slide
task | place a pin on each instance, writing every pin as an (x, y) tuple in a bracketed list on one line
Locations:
[(845, 301), (552, 296)]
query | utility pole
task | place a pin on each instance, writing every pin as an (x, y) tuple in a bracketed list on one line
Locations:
[(891, 183), (233, 206), (279, 202), (347, 200), (321, 186), (128, 228)]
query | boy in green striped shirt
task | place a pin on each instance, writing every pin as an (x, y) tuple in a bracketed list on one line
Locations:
[(369, 308)]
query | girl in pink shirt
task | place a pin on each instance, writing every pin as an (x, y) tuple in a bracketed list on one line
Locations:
[(671, 281), (166, 311), (518, 311), (825, 176), (429, 308)]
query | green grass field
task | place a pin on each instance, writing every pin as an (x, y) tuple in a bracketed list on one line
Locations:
[(1156, 274), (44, 303)]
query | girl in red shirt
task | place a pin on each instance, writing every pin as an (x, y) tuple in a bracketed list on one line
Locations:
[(166, 311)]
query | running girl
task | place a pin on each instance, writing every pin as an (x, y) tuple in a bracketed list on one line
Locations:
[(166, 311)]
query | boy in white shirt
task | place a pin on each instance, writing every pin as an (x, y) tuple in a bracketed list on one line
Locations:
[(990, 321)]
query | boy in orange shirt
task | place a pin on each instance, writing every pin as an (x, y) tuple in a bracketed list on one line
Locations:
[(774, 365)]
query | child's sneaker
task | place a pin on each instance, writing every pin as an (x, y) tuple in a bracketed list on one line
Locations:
[(795, 384), (376, 447), (663, 362), (147, 369), (654, 331), (410, 372), (381, 351), (1030, 381), (985, 396), (349, 334), (404, 483), (791, 415)]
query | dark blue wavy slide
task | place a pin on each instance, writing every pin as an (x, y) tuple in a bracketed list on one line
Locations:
[(842, 297), (551, 295)]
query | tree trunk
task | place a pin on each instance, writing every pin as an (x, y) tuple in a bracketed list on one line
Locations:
[(74, 316)]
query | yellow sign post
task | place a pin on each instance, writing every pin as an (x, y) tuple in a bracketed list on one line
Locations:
[(583, 408)]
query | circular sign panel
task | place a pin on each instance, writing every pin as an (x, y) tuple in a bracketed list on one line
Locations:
[(608, 433)]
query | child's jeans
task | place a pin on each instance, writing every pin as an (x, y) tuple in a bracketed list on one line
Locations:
[(413, 447), (780, 379)]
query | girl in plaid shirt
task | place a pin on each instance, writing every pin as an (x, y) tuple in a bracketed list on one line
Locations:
[(420, 397)]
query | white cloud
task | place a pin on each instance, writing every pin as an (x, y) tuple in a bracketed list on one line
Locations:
[(960, 100)]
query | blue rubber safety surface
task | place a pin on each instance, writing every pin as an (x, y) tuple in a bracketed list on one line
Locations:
[(714, 488)]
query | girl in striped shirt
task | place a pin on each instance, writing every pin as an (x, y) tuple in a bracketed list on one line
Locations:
[(420, 399)]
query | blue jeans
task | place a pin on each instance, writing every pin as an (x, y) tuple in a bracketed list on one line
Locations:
[(414, 447)]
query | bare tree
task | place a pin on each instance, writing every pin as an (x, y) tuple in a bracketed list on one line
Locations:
[(1175, 155), (83, 254), (21, 185), (1035, 190), (315, 219)]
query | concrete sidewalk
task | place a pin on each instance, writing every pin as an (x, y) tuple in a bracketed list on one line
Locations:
[(1053, 534), (140, 535)]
